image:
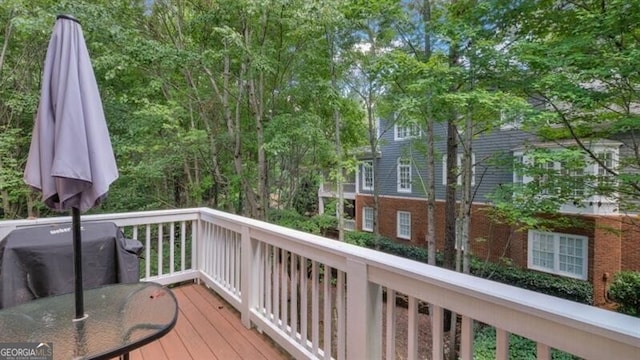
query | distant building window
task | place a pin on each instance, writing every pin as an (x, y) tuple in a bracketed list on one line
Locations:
[(404, 225), (367, 219), (576, 179), (558, 253), (607, 160), (518, 163), (510, 119), (404, 175), (367, 175), (579, 179), (407, 131), (459, 167)]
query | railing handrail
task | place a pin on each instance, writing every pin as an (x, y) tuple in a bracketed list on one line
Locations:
[(622, 328), (409, 277), (101, 217)]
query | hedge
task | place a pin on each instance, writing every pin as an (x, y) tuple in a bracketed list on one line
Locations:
[(625, 290), (484, 346), (567, 288)]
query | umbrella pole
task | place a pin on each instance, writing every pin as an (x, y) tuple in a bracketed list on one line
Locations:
[(77, 261)]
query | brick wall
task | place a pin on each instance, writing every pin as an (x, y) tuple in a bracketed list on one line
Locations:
[(631, 244), (614, 244), (488, 240), (607, 255)]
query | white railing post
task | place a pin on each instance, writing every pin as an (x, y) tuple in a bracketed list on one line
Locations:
[(364, 313), (197, 240), (249, 273)]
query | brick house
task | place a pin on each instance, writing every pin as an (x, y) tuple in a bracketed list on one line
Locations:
[(606, 241)]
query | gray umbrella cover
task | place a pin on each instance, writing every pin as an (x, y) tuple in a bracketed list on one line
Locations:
[(70, 159)]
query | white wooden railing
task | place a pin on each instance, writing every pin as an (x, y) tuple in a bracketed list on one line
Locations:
[(319, 298)]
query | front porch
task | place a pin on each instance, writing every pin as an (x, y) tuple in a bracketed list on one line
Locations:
[(320, 299)]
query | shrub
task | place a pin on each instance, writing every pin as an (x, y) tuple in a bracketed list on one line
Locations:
[(625, 290), (566, 288), (484, 346), (386, 245), (318, 224)]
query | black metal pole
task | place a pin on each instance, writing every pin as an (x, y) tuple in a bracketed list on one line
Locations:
[(77, 261)]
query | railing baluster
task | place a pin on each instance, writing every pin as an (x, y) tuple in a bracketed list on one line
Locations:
[(304, 301), (502, 344), (219, 263), (160, 251), (437, 320), (228, 258), (391, 325), (342, 317), (238, 264), (276, 284), (412, 333), (210, 246), (327, 314), (172, 243), (260, 264), (268, 281), (284, 301), (466, 338), (147, 252), (183, 244), (315, 300), (217, 248), (543, 352), (197, 235), (295, 287), (207, 256)]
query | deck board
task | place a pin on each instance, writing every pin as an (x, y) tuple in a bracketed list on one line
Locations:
[(208, 328), (251, 335)]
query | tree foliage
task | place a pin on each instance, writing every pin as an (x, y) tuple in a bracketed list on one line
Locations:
[(231, 104), (208, 103)]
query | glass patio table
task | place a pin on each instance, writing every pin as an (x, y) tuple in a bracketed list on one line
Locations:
[(119, 318)]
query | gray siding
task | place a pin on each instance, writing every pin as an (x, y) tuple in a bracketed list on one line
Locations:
[(485, 147)]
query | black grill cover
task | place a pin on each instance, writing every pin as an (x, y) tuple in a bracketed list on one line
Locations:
[(38, 261)]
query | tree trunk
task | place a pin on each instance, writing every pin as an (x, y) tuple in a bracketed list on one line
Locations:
[(450, 193), (338, 144), (431, 162)]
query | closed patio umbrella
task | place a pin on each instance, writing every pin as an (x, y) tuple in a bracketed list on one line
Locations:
[(71, 160)]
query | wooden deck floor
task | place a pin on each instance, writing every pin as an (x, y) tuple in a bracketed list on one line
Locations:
[(208, 328)]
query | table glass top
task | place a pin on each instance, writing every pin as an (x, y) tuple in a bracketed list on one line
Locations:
[(119, 318)]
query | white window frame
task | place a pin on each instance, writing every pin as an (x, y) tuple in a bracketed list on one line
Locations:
[(367, 167), (591, 169), (403, 164), (459, 165), (518, 161), (367, 218), (511, 120), (403, 226), (555, 248), (612, 163), (409, 130)]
